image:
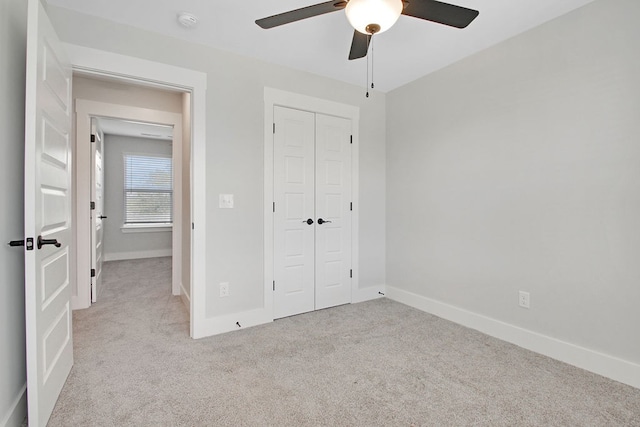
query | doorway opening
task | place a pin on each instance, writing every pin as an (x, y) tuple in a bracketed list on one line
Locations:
[(138, 137), (132, 191)]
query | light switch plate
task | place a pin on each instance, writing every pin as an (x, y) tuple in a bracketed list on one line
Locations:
[(226, 201)]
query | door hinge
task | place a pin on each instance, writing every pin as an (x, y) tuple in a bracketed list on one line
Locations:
[(350, 206), (93, 272), (274, 285), (351, 139), (29, 243), (274, 207), (92, 205), (193, 226), (351, 274), (93, 138), (274, 128)]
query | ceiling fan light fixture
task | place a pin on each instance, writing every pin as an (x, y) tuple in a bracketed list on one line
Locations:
[(373, 16)]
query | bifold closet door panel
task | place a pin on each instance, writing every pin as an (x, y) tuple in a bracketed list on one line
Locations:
[(333, 205), (294, 189)]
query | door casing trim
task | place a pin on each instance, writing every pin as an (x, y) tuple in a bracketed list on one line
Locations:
[(143, 72)]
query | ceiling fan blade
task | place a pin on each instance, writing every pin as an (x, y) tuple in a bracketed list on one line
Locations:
[(442, 13), (303, 13), (359, 45)]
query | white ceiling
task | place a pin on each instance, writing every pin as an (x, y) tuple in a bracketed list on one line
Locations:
[(320, 45)]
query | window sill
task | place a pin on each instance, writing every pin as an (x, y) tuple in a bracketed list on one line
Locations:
[(146, 228)]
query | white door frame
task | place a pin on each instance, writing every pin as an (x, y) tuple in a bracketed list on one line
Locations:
[(85, 109), (276, 97), (139, 71)]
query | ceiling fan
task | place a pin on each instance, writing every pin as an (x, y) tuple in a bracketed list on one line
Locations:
[(370, 17)]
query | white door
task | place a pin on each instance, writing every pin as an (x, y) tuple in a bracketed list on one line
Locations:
[(97, 214), (47, 216), (294, 238), (312, 221), (333, 211)]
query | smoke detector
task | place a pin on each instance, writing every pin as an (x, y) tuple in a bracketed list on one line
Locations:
[(187, 20)]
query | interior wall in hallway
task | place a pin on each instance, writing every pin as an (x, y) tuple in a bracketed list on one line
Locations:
[(122, 243)]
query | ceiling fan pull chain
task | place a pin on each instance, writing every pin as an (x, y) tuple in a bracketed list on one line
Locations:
[(372, 38), (367, 85)]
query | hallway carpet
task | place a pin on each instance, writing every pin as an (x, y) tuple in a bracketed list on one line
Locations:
[(377, 363)]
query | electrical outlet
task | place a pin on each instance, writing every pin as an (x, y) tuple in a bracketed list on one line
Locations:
[(523, 299), (224, 289)]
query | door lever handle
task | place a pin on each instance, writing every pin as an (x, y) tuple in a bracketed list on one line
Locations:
[(42, 242), (16, 243), (322, 221), (309, 221), (102, 217)]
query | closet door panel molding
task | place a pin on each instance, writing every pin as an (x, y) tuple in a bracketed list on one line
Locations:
[(293, 239), (333, 199)]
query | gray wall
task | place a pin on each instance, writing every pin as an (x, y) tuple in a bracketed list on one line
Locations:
[(235, 104), (12, 333), (119, 245), (113, 92), (518, 169)]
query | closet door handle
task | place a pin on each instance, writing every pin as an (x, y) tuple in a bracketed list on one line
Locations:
[(309, 221), (322, 221)]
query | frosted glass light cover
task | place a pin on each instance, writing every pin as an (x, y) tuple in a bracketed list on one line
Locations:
[(384, 13)]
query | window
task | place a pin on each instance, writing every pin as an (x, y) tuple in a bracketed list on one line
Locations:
[(148, 189)]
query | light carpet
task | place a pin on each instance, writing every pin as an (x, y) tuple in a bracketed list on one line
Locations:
[(378, 363)]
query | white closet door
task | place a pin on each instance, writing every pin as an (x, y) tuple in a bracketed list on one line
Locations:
[(294, 205), (333, 211)]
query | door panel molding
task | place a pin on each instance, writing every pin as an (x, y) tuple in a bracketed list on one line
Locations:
[(294, 181), (333, 197), (275, 97)]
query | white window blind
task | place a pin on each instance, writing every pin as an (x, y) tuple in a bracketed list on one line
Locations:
[(148, 189)]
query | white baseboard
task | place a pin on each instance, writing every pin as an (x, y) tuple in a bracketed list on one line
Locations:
[(228, 323), (366, 294), (246, 319), (17, 411), (120, 256), (602, 364)]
